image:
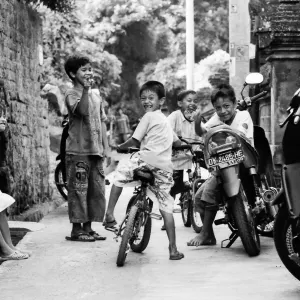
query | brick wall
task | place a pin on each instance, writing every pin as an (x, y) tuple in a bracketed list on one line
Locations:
[(28, 154)]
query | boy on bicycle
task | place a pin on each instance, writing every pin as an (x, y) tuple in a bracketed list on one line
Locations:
[(182, 123), (154, 137)]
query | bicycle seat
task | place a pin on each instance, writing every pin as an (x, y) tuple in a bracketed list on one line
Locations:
[(143, 175)]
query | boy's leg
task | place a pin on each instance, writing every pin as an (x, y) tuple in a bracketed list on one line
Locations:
[(177, 187), (77, 180), (113, 199), (208, 211), (96, 201)]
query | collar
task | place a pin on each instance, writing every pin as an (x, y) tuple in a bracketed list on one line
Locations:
[(183, 118)]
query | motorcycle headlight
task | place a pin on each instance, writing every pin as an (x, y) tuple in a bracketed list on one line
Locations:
[(222, 141)]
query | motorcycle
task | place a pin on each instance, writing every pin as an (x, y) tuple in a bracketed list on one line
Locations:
[(60, 175), (287, 221), (242, 173)]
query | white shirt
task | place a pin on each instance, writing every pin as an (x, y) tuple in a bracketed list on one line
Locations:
[(241, 122), (182, 160), (156, 137)]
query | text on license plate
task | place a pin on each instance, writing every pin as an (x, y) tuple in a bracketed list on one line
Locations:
[(228, 159)]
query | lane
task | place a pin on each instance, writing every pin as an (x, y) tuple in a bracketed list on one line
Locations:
[(60, 269)]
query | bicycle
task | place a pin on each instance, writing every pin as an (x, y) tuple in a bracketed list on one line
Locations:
[(187, 198), (135, 228)]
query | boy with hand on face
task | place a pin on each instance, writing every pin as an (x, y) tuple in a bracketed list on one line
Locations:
[(206, 198), (86, 148), (182, 123), (154, 137)]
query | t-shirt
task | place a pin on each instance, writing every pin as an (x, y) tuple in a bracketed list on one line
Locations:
[(122, 123), (182, 160), (156, 137), (241, 122), (85, 131)]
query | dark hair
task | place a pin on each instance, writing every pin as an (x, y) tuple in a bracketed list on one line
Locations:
[(154, 86), (74, 62), (223, 90), (184, 93)]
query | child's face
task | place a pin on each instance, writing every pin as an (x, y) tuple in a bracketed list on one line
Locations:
[(83, 73), (189, 102), (225, 108), (150, 101)]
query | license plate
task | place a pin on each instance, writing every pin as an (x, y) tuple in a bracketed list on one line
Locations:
[(227, 159)]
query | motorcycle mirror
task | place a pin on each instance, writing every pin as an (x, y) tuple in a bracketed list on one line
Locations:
[(254, 78)]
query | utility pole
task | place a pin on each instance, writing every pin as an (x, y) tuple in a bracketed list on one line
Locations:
[(190, 46), (239, 42)]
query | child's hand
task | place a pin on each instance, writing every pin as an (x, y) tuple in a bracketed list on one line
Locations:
[(87, 83), (197, 116)]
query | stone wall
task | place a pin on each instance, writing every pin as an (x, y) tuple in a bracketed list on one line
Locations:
[(20, 68)]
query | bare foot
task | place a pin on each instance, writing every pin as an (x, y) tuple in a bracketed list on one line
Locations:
[(203, 239)]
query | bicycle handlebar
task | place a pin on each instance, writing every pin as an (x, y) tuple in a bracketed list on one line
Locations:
[(128, 150), (183, 147)]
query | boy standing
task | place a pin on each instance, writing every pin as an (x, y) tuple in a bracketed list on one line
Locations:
[(182, 123), (154, 136), (86, 148)]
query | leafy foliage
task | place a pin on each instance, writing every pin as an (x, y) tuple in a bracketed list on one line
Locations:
[(131, 42), (62, 6)]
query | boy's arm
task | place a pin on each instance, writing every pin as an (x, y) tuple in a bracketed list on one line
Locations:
[(132, 142), (81, 105), (199, 128)]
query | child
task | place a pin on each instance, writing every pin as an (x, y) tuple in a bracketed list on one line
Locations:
[(154, 136), (182, 123), (224, 102), (86, 148)]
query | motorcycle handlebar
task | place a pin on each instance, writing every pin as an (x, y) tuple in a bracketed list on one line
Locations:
[(258, 96)]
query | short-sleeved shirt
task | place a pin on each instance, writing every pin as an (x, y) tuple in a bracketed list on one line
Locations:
[(241, 122), (122, 123), (182, 160), (156, 136), (85, 131)]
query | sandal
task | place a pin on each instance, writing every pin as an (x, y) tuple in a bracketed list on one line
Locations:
[(97, 236), (15, 256), (80, 237), (176, 256), (110, 225)]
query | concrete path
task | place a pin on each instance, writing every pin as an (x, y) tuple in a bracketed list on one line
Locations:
[(64, 270)]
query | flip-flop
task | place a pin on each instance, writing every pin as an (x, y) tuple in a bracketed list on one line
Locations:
[(79, 238), (15, 256), (97, 236), (207, 243), (110, 225), (176, 256)]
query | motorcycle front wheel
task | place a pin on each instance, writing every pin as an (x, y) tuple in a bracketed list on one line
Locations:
[(245, 223), (196, 220), (286, 245), (60, 182)]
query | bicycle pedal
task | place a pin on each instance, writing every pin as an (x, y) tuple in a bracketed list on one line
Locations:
[(155, 216), (177, 210)]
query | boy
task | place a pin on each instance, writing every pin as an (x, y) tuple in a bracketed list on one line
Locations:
[(182, 123), (224, 102), (86, 148), (154, 136)]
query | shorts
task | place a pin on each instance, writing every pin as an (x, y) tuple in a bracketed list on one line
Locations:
[(86, 188), (159, 191), (208, 192)]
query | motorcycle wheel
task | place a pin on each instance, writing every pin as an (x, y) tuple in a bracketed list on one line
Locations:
[(196, 220), (283, 238), (186, 209), (59, 181), (141, 236), (245, 223), (127, 235)]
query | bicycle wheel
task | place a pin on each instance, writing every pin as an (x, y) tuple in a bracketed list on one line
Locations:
[(59, 181), (124, 246)]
